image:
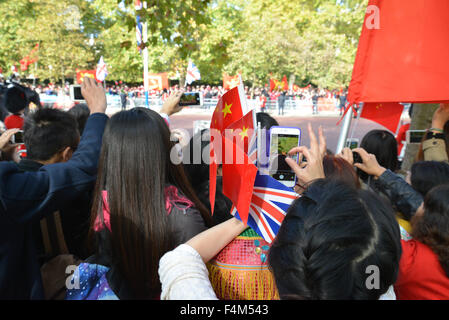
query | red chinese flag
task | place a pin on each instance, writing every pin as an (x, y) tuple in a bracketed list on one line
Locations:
[(238, 181), (285, 83), (24, 64), (403, 53), (229, 110), (239, 171), (86, 73), (385, 114), (273, 84), (244, 131), (158, 81)]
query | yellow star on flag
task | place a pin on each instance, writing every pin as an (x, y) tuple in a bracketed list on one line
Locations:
[(227, 109), (244, 133)]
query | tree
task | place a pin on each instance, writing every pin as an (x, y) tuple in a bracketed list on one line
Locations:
[(60, 28), (315, 40)]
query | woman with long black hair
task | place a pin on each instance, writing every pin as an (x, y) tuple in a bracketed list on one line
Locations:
[(143, 207)]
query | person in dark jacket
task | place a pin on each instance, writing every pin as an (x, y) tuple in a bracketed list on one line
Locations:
[(281, 103), (123, 98), (26, 196), (51, 136), (315, 98)]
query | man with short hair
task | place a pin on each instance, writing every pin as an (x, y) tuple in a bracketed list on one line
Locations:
[(52, 136)]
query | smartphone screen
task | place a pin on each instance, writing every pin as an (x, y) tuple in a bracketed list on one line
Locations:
[(280, 145), (17, 137), (352, 144), (77, 96), (190, 99)]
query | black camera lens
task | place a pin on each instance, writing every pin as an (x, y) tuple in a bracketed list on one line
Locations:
[(357, 157)]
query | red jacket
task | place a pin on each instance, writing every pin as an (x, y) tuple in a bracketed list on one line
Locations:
[(421, 276)]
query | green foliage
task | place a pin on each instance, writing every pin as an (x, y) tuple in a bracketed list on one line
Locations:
[(316, 40)]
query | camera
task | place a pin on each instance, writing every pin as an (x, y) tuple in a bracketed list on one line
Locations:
[(357, 157)]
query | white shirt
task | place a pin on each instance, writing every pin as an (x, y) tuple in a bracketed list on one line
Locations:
[(184, 276)]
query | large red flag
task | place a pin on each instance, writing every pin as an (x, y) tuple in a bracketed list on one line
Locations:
[(228, 110), (285, 83), (403, 53), (385, 114), (238, 177)]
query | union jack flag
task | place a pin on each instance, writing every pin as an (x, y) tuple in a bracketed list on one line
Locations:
[(269, 204), (193, 73)]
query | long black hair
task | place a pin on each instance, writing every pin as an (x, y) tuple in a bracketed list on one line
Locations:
[(428, 174), (328, 240), (432, 228), (134, 169), (384, 146)]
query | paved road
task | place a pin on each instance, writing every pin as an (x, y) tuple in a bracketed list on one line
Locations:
[(329, 123)]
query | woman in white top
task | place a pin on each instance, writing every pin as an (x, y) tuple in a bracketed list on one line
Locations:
[(335, 242)]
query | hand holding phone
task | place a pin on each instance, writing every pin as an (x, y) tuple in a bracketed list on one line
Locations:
[(191, 99), (314, 155), (7, 137), (172, 104), (369, 163), (357, 158), (282, 140), (17, 137), (75, 94)]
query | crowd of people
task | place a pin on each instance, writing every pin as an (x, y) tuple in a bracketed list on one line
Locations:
[(96, 210), (261, 95)]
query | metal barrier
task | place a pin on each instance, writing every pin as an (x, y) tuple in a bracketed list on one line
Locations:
[(208, 104)]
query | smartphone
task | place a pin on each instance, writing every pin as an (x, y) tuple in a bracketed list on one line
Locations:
[(357, 158), (17, 137), (75, 93), (191, 99), (282, 140), (415, 136), (352, 143)]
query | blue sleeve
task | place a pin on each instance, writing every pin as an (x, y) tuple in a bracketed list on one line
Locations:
[(29, 195)]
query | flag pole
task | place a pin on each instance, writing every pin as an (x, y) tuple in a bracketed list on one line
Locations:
[(145, 59), (354, 128), (344, 130)]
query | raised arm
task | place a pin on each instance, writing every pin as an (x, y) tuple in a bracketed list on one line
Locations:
[(210, 242), (406, 199), (24, 195), (435, 147)]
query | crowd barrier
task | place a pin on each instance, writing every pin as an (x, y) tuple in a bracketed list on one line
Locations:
[(324, 104)]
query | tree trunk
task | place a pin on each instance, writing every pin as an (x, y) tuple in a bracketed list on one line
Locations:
[(421, 120)]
